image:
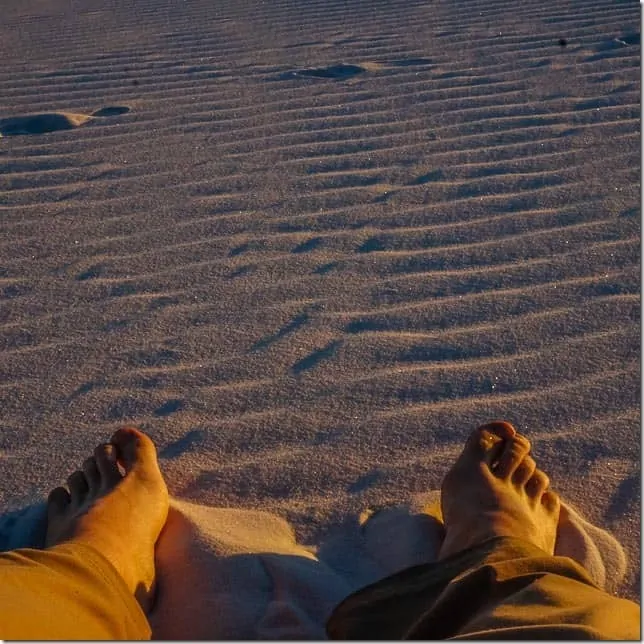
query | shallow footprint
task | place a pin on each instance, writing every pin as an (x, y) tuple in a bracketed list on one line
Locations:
[(112, 110), (53, 121), (41, 123), (335, 72)]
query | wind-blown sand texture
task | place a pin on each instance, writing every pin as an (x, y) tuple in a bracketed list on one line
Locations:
[(308, 246)]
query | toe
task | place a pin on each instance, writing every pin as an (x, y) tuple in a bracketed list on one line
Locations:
[(136, 451), (537, 484), (497, 433), (514, 451), (524, 471), (486, 442), (105, 456), (92, 475), (551, 502), (500, 428), (57, 502), (78, 487)]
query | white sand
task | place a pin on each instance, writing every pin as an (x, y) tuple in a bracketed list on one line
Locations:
[(309, 290)]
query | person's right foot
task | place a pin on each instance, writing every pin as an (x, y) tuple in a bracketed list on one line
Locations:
[(120, 515), (495, 490)]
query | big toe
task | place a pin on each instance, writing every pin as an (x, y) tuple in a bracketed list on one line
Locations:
[(136, 452), (486, 442), (57, 502)]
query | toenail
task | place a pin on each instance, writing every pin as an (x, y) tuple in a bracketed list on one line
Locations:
[(106, 450), (500, 428), (486, 438)]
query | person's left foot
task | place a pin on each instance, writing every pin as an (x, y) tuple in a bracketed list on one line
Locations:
[(119, 514)]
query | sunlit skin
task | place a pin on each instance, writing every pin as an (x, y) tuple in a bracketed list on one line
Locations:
[(495, 490), (118, 502), (119, 512)]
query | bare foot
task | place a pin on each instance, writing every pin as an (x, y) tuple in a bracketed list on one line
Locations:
[(120, 515), (495, 490)]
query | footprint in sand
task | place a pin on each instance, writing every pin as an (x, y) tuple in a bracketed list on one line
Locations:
[(614, 45), (112, 110), (343, 71), (628, 39), (334, 72), (54, 121)]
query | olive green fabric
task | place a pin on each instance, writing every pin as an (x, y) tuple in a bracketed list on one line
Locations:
[(501, 589), (67, 592)]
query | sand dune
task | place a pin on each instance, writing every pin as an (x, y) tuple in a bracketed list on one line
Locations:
[(308, 246)]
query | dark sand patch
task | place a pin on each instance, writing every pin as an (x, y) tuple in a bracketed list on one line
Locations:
[(342, 71), (41, 123)]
